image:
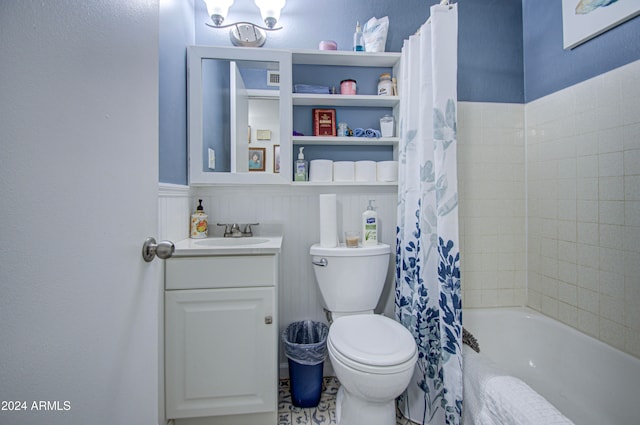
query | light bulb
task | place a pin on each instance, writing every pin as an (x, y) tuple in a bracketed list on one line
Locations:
[(218, 9), (270, 10)]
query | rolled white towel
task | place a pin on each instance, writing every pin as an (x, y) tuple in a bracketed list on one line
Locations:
[(492, 397)]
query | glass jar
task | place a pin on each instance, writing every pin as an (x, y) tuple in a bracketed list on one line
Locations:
[(348, 87), (342, 129), (385, 85)]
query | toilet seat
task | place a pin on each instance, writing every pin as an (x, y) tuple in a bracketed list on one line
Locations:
[(372, 343)]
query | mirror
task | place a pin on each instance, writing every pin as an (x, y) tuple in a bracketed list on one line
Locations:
[(238, 115)]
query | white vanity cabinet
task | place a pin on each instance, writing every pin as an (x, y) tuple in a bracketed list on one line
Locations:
[(221, 339)]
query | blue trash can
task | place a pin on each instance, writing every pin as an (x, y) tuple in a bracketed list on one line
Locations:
[(305, 345)]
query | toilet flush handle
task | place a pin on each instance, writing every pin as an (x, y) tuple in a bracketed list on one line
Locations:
[(322, 262)]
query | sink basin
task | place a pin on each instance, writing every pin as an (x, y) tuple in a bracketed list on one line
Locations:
[(230, 241)]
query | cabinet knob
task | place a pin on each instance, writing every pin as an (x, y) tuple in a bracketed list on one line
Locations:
[(268, 320)]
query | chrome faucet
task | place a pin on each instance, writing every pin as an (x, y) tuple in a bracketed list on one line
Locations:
[(233, 230)]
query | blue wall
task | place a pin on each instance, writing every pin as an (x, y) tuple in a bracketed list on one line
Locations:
[(216, 125), (489, 40), (176, 31), (490, 66), (549, 68)]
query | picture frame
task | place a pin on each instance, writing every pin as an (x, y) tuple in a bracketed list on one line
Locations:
[(257, 159), (583, 20), (263, 134), (276, 158)]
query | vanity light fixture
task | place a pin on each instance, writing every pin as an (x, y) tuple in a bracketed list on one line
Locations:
[(246, 34)]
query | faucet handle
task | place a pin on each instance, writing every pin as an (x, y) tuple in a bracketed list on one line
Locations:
[(228, 228), (247, 229)]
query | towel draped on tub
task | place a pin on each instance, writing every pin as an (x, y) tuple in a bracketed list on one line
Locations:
[(491, 397)]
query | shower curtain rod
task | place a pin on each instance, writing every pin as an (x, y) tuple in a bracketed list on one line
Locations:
[(442, 3)]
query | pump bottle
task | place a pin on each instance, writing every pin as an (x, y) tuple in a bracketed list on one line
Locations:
[(370, 226), (199, 223), (302, 168)]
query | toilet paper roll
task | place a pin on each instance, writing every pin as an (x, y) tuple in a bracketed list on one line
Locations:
[(343, 171), (387, 171), (328, 221), (321, 170), (365, 171)]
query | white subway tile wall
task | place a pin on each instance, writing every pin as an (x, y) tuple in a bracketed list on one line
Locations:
[(583, 187), (491, 188)]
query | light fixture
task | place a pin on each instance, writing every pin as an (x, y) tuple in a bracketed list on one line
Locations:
[(244, 33)]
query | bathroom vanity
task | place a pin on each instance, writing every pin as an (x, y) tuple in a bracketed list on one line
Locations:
[(221, 331)]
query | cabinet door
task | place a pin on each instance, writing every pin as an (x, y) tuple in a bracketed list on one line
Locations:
[(220, 349)]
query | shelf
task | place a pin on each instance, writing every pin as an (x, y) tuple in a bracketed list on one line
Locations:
[(305, 99), (263, 94), (354, 183), (344, 141), (344, 58)]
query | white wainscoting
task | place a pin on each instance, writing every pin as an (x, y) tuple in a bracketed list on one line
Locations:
[(174, 203), (297, 208)]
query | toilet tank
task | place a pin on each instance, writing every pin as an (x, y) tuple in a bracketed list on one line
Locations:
[(350, 279)]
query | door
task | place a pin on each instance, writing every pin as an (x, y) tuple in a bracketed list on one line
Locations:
[(239, 100), (220, 351), (78, 183)]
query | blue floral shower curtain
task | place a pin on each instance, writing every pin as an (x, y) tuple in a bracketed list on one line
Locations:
[(427, 297)]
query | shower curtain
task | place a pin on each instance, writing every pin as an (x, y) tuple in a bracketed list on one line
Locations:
[(427, 299)]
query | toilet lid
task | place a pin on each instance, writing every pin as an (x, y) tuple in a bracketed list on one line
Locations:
[(372, 339)]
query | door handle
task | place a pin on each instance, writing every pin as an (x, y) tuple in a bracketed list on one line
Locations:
[(163, 249)]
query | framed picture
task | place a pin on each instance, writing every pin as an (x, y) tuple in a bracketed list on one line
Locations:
[(276, 158), (263, 134), (256, 159), (583, 20)]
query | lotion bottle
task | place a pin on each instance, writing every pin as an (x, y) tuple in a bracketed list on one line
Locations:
[(370, 226), (199, 223), (302, 169)]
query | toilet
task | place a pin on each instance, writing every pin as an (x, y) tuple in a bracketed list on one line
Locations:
[(372, 356)]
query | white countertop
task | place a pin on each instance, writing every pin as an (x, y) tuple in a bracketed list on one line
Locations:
[(256, 245)]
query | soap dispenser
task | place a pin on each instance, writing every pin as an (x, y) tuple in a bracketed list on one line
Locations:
[(199, 223), (370, 226), (302, 169)]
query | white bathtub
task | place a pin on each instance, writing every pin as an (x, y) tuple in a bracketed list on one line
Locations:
[(590, 382)]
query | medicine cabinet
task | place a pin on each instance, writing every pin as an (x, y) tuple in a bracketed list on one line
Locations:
[(239, 121)]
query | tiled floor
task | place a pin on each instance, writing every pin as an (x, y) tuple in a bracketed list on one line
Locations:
[(323, 414)]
